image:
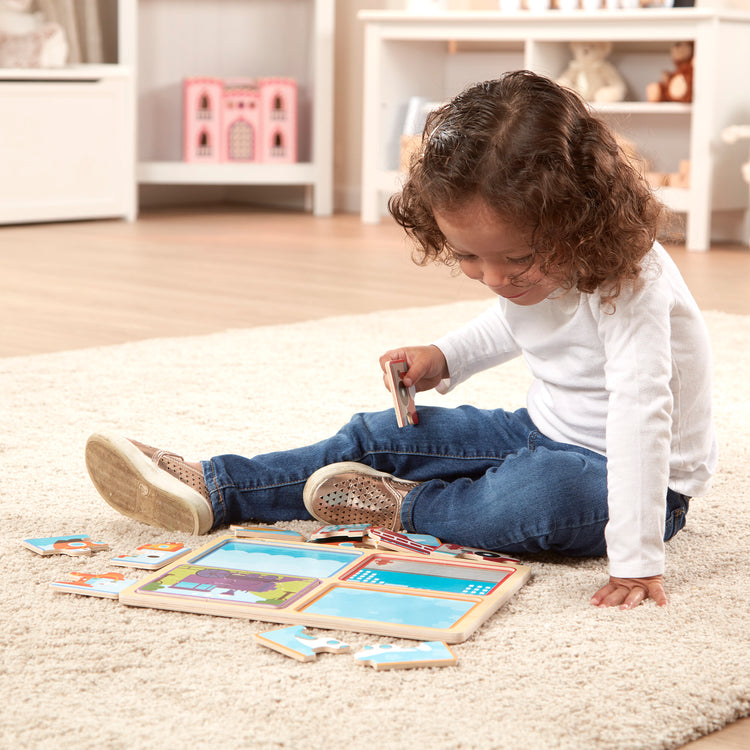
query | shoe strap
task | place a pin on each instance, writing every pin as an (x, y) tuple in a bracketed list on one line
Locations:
[(159, 454), (173, 457)]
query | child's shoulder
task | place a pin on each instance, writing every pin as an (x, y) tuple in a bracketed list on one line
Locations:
[(658, 289)]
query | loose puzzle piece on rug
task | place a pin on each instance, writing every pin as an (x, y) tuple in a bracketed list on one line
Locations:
[(80, 544), (152, 556), (297, 643), (427, 654), (106, 585)]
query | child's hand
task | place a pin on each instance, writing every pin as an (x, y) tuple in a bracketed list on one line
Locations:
[(630, 592), (427, 366)]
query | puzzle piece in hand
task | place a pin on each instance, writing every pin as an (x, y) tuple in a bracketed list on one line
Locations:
[(403, 397), (294, 641), (152, 556), (107, 585), (80, 544), (427, 654)]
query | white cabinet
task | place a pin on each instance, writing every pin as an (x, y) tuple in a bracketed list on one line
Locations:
[(230, 39), (435, 56), (68, 147)]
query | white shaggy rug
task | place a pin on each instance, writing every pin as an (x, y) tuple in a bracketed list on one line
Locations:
[(547, 671)]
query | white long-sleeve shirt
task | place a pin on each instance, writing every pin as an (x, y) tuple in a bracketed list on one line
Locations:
[(633, 384)]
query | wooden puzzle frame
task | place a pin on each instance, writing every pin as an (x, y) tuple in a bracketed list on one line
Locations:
[(326, 586)]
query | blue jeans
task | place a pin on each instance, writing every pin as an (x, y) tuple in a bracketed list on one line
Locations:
[(489, 479)]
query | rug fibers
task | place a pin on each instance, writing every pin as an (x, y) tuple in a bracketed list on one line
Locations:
[(547, 671)]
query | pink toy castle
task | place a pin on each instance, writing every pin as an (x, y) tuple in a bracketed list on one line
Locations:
[(240, 120)]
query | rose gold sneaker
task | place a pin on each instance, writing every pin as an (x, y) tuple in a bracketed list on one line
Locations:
[(348, 492), (150, 485)]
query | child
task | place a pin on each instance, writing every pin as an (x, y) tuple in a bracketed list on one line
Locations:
[(518, 184)]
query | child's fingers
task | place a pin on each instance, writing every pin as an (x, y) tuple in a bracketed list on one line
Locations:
[(630, 592), (657, 593), (415, 361), (426, 366), (634, 597), (391, 355), (416, 371), (608, 596)]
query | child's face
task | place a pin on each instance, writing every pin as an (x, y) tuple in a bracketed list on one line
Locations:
[(495, 253)]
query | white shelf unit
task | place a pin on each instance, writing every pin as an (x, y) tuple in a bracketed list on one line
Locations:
[(436, 55), (68, 145), (231, 39)]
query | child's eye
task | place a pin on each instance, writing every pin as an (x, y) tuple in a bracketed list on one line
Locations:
[(524, 261), (460, 257)]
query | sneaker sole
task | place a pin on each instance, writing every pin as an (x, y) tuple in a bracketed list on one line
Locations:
[(133, 485), (327, 472)]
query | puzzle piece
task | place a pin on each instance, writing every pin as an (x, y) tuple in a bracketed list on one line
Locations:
[(403, 397), (266, 532), (475, 554), (80, 544), (427, 654), (422, 544), (106, 585), (335, 533), (152, 557), (295, 642)]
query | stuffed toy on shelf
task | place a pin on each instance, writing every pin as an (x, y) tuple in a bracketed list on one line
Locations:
[(733, 134), (675, 85), (27, 40), (592, 75)]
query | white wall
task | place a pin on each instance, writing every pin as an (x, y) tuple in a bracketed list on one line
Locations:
[(348, 99), (348, 95), (348, 80)]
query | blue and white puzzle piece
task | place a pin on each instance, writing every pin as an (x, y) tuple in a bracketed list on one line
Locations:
[(427, 654), (295, 642)]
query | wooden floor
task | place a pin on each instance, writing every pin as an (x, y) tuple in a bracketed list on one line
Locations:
[(187, 272), (81, 284)]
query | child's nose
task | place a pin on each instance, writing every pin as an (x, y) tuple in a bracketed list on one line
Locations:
[(496, 274)]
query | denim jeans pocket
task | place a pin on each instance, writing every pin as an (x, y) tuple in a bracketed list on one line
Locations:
[(677, 508)]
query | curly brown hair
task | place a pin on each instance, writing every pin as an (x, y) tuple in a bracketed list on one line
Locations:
[(533, 152)]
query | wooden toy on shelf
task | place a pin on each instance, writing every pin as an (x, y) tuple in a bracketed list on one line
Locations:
[(240, 120)]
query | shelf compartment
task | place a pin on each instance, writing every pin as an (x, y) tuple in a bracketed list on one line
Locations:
[(181, 173), (235, 39)]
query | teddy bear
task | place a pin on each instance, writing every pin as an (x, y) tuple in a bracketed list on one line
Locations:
[(734, 133), (675, 85), (27, 40), (591, 74)]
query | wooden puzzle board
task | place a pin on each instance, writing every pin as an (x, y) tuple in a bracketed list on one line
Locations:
[(386, 593)]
